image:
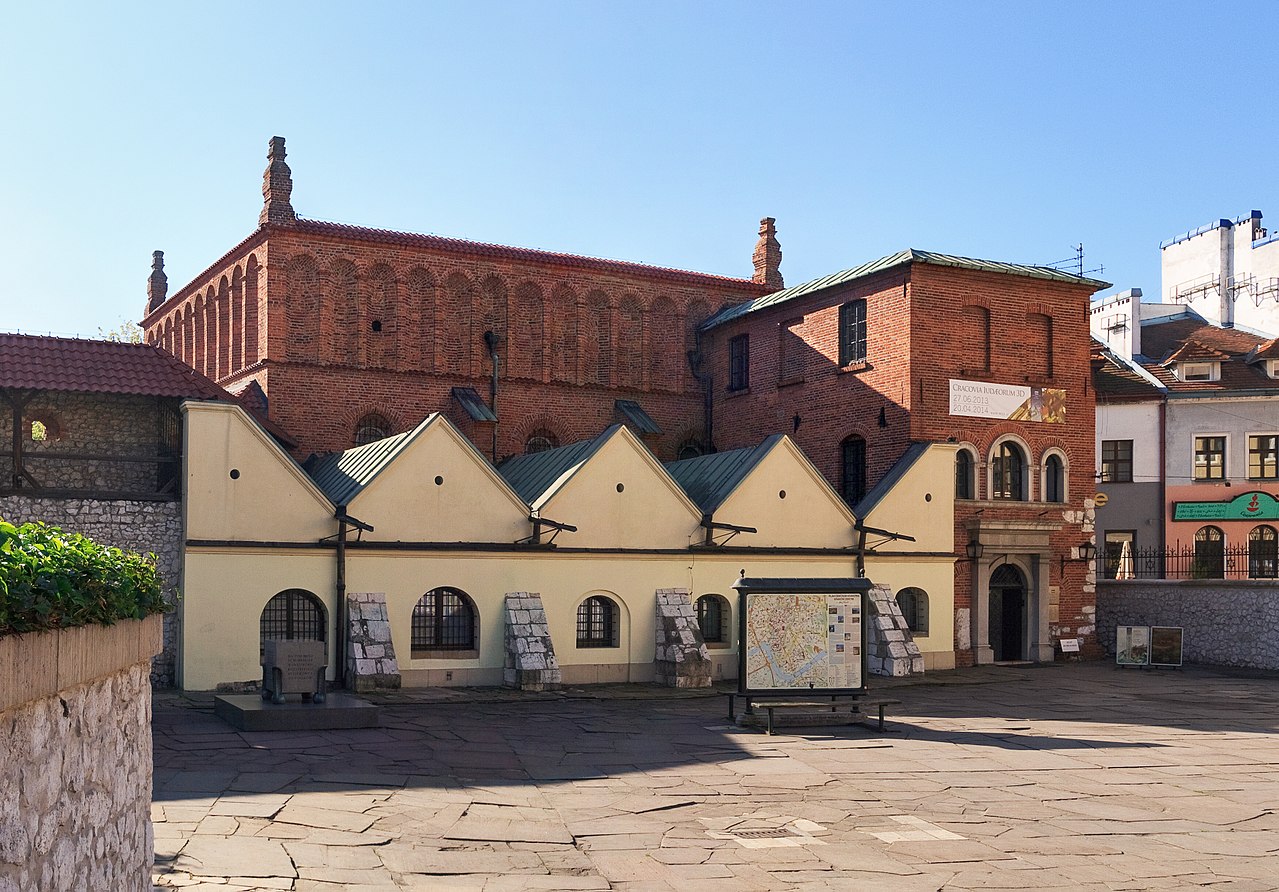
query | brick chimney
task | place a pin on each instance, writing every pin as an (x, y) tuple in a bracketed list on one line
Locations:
[(157, 282), (277, 186), (768, 255)]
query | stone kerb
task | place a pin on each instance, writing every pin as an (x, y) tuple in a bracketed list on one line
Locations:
[(75, 730), (680, 656), (370, 655), (892, 648), (530, 656)]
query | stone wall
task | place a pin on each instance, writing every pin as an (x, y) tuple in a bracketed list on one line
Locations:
[(680, 657), (892, 648), (141, 526), (82, 423), (75, 730), (530, 656), (370, 657), (1227, 623)]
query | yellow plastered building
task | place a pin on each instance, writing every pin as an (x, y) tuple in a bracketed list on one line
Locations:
[(595, 527)]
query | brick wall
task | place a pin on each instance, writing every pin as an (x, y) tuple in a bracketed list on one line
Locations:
[(333, 327)]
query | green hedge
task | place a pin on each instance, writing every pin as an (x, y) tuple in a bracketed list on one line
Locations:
[(50, 579)]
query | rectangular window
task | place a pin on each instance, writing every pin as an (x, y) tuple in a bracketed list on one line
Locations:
[(739, 362), (1210, 458), (1116, 461), (1263, 456), (790, 351), (852, 333)]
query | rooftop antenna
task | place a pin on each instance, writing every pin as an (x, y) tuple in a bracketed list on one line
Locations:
[(1075, 264)]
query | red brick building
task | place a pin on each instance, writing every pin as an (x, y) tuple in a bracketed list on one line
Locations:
[(347, 334), (353, 333), (919, 347)]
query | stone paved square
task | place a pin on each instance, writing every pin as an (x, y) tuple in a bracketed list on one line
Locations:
[(1075, 776)]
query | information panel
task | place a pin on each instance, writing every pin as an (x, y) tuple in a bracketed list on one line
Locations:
[(1165, 645), (1132, 645)]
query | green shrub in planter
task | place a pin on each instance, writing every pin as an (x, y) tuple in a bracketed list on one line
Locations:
[(51, 579)]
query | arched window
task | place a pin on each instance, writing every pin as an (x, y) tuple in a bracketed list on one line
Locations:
[(713, 618), (1210, 554), (965, 481), (852, 453), (370, 428), (1008, 472), (1263, 552), (540, 441), (914, 605), (690, 448), (1054, 479), (292, 614), (443, 620), (597, 623)]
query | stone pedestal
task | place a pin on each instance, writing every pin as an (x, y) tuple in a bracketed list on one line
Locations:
[(530, 656), (370, 655), (892, 649), (680, 657)]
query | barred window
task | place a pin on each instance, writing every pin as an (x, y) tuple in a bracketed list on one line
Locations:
[(852, 333), (914, 606), (292, 614), (713, 618), (1263, 552), (370, 428), (597, 622), (540, 441), (853, 466), (444, 619), (739, 362)]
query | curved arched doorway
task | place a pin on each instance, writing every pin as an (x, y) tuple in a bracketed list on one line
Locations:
[(1008, 613)]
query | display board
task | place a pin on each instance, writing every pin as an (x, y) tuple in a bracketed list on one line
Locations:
[(1132, 645), (811, 637), (1165, 645)]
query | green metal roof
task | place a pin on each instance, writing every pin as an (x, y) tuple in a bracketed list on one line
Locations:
[(709, 480), (532, 476), (914, 452), (343, 475), (892, 261)]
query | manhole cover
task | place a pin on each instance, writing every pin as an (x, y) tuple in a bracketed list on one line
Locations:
[(761, 834)]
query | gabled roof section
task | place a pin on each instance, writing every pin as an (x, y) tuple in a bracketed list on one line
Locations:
[(894, 261), (1114, 377), (344, 475), (536, 475), (914, 452), (710, 479), (1268, 350), (1193, 351), (85, 366), (634, 415), (482, 249)]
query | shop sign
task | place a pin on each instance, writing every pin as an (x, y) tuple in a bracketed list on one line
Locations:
[(1249, 506), (1010, 402)]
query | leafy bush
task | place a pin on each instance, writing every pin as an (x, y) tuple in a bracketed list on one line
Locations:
[(50, 579)]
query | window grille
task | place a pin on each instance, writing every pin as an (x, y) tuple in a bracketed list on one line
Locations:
[(739, 362), (1263, 553), (293, 614), (371, 428), (597, 622), (712, 616), (914, 606), (853, 460), (443, 619), (540, 440), (852, 333)]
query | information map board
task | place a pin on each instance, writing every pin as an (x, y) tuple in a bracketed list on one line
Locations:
[(802, 635)]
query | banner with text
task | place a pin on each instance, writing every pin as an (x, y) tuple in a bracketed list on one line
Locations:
[(1012, 402)]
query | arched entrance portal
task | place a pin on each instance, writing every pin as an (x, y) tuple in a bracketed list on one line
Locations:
[(1008, 613)]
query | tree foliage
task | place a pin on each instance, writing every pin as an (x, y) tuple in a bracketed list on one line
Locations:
[(126, 332), (51, 579)]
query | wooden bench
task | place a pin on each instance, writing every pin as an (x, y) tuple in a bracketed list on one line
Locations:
[(857, 706)]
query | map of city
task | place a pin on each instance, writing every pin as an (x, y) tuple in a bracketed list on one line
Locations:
[(798, 641)]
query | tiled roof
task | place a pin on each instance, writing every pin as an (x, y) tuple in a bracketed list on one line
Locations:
[(710, 479), (344, 475), (1115, 379), (1161, 342), (1267, 350), (1193, 351), (84, 366), (483, 249), (892, 261), (533, 476)]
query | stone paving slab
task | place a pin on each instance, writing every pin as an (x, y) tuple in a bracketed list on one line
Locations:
[(995, 778)]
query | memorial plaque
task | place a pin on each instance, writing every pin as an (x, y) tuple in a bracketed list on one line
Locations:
[(294, 666)]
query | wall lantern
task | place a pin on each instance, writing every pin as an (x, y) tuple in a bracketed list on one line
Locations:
[(975, 550), (1087, 551)]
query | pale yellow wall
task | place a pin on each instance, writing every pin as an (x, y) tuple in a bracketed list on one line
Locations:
[(651, 511), (922, 504), (272, 500), (223, 593), (936, 576), (810, 516), (403, 503)]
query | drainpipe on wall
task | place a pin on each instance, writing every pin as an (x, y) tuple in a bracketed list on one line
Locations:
[(339, 638), (490, 341), (695, 358)]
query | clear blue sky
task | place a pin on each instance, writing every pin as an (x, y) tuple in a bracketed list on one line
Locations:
[(655, 132)]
